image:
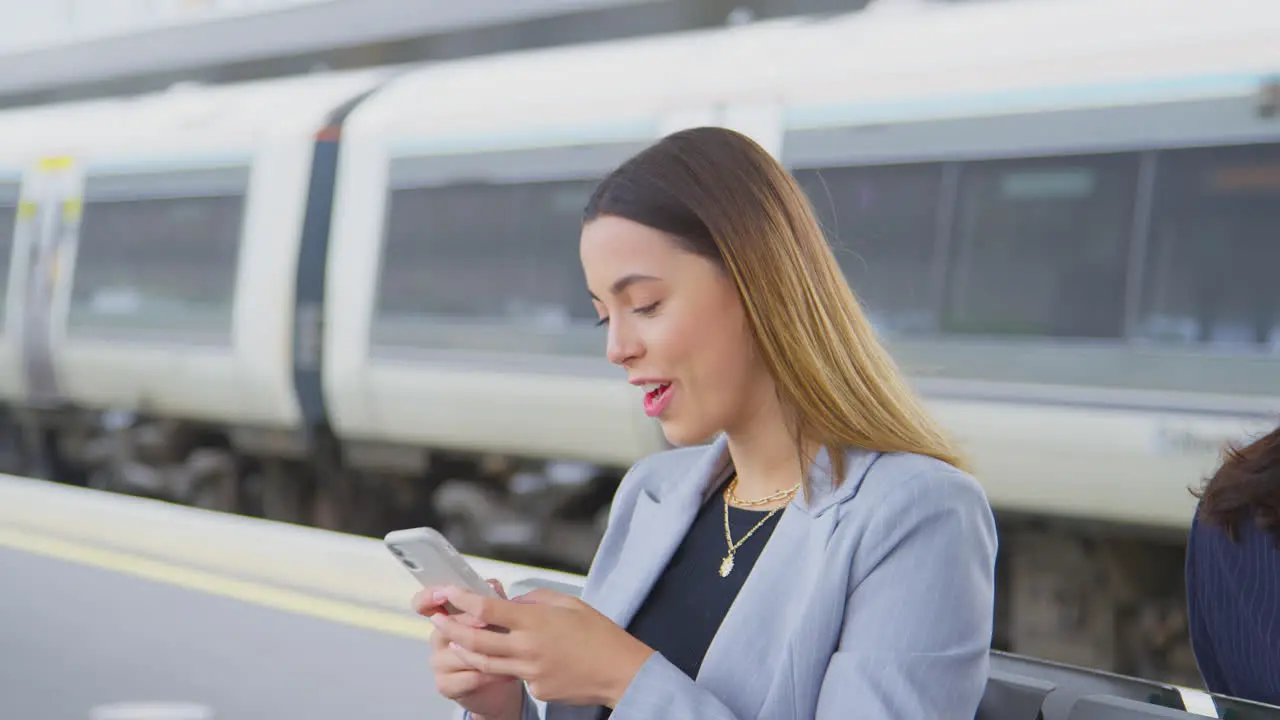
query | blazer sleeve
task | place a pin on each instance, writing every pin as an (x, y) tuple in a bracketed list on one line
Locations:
[(917, 624)]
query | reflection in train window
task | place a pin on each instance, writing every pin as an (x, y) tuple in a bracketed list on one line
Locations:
[(496, 252), (157, 263), (1041, 247), (1210, 272), (882, 225), (8, 223)]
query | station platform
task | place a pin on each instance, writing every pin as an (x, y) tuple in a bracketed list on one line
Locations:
[(120, 607)]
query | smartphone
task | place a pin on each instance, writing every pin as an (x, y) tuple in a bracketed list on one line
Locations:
[(435, 562)]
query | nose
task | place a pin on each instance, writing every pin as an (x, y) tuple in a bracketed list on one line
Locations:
[(623, 345)]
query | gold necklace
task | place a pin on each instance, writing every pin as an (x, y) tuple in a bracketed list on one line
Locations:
[(726, 565), (781, 494)]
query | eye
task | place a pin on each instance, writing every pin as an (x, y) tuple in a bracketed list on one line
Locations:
[(602, 321), (647, 309)]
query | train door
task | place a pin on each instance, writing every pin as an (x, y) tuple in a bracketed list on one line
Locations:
[(48, 225)]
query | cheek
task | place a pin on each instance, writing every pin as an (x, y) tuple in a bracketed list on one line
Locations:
[(726, 363), (716, 362)]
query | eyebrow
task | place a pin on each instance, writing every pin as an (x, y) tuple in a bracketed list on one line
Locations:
[(627, 281)]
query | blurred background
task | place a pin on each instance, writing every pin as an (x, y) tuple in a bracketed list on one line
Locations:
[(314, 262)]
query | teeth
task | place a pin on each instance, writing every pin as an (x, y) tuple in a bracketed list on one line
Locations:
[(650, 387)]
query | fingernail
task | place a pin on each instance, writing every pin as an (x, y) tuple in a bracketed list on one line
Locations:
[(438, 596)]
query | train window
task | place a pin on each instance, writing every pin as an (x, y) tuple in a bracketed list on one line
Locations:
[(882, 225), (159, 253), (1209, 273), (1041, 247), (487, 258), (8, 224)]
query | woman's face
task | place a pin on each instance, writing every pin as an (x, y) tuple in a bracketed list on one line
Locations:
[(677, 326)]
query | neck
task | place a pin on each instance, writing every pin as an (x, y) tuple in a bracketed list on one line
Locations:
[(765, 457)]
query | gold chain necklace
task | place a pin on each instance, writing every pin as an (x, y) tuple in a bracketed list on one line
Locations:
[(726, 566), (781, 494)]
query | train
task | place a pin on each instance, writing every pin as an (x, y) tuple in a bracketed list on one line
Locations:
[(352, 299)]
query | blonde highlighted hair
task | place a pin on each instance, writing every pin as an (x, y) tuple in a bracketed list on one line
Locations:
[(720, 195)]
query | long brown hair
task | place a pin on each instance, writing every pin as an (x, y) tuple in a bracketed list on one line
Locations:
[(1245, 488), (723, 197)]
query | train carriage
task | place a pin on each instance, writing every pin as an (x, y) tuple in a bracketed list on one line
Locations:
[(153, 273)]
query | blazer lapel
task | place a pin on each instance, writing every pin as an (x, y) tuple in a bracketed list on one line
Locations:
[(662, 516), (742, 661), (741, 665)]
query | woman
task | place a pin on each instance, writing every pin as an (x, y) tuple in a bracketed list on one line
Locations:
[(1233, 574), (825, 555)]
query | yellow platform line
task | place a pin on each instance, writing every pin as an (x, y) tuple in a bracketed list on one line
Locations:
[(406, 625)]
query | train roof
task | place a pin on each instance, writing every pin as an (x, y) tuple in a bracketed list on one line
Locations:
[(186, 119), (1027, 55), (890, 62), (616, 88)]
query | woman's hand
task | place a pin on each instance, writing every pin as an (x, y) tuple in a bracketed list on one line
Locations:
[(563, 648), (487, 696)]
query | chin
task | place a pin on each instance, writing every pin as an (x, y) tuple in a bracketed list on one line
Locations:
[(684, 434)]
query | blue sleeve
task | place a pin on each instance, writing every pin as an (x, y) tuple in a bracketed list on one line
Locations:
[(1199, 586)]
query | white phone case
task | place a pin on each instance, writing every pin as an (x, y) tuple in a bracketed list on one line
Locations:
[(433, 560)]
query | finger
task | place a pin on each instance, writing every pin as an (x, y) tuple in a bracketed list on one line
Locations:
[(497, 587), (428, 601), (439, 641), (444, 658), (491, 665), (475, 639), (440, 651), (447, 660), (461, 617), (543, 596), (486, 610), (467, 618), (457, 684)]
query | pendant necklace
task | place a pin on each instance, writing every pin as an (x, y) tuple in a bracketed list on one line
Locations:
[(726, 565)]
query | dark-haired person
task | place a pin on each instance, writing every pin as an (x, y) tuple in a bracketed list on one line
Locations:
[(825, 557), (1233, 574)]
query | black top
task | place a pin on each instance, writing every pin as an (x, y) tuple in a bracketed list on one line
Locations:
[(688, 602)]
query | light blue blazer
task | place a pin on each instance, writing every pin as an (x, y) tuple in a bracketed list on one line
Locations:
[(872, 599)]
